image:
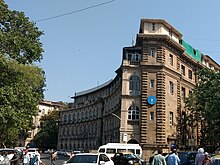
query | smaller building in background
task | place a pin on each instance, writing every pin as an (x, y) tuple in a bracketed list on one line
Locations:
[(44, 107)]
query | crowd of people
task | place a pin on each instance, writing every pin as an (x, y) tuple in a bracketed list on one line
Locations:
[(9, 157), (14, 157), (32, 159), (202, 158)]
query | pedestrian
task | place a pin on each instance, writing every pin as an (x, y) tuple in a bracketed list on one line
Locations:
[(14, 160), (173, 158), (26, 158), (199, 157), (37, 159), (206, 160), (159, 159), (1, 157), (6, 160), (70, 154), (53, 157)]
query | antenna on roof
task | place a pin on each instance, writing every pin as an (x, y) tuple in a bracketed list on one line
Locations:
[(132, 41)]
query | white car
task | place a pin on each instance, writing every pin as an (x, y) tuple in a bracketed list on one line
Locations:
[(89, 159), (32, 152)]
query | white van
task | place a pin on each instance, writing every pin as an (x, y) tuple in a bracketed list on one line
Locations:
[(111, 148)]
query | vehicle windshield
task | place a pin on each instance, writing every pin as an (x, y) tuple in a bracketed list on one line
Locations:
[(129, 156), (83, 159)]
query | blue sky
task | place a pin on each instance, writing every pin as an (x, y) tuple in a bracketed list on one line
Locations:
[(83, 49)]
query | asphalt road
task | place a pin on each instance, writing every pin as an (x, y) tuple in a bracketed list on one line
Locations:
[(60, 160)]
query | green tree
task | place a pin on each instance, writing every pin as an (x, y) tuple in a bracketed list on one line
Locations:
[(19, 38), (47, 136), (21, 82), (204, 106)]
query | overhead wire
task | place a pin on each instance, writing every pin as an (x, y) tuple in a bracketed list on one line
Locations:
[(107, 2), (205, 39), (75, 11)]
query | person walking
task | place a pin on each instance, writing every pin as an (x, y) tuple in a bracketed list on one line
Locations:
[(207, 159), (6, 160), (70, 154), (200, 157), (159, 159), (37, 159), (173, 158), (53, 157), (15, 159), (26, 158)]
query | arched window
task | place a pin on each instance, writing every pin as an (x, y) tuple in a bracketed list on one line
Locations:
[(65, 118), (63, 131), (82, 116), (133, 113), (78, 116), (134, 85), (73, 117), (69, 118)]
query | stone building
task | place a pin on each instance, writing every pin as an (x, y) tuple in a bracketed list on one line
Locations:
[(44, 107), (144, 103)]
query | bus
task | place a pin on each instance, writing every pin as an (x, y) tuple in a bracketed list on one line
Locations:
[(111, 148)]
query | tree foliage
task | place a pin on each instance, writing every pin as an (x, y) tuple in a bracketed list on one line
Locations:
[(204, 106), (21, 82), (19, 38), (47, 136)]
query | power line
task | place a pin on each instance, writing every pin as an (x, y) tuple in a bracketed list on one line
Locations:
[(203, 39), (75, 11), (211, 51)]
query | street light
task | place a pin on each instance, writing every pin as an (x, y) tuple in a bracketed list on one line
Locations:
[(125, 135)]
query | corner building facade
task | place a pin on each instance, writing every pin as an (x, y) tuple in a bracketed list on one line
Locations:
[(144, 103)]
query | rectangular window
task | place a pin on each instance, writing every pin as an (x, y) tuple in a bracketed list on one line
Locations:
[(151, 83), (151, 115), (153, 26), (183, 70), (190, 92), (153, 52), (171, 88), (170, 33), (137, 57), (190, 74), (171, 118), (171, 59), (129, 56), (183, 93)]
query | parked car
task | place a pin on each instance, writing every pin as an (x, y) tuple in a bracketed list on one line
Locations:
[(9, 151), (126, 158), (89, 159)]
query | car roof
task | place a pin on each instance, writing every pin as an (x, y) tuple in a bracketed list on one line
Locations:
[(89, 153), (7, 149)]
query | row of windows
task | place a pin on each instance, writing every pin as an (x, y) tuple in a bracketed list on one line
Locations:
[(78, 145), (153, 53), (170, 118), (76, 130)]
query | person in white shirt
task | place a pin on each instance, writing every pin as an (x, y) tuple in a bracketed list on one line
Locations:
[(26, 158), (37, 159)]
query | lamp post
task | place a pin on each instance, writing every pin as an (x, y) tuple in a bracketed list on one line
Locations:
[(125, 136)]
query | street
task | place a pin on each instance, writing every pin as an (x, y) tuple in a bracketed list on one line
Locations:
[(60, 160)]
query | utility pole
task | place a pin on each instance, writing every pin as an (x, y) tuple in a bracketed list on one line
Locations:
[(125, 136)]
